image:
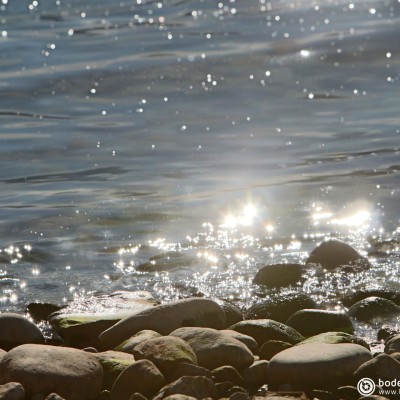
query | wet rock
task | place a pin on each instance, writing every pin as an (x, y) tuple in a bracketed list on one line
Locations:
[(2, 353), (349, 299), (373, 309), (232, 314), (316, 366), (262, 330), (256, 375), (165, 318), (186, 369), (380, 367), (128, 345), (273, 347), (113, 363), (215, 349), (12, 391), (73, 374), (15, 330), (166, 352), (81, 323), (333, 253), (336, 338), (280, 307), (393, 345), (224, 389), (227, 374), (386, 332), (312, 322), (279, 275), (198, 387), (245, 339), (396, 356), (41, 311), (54, 396), (141, 377)]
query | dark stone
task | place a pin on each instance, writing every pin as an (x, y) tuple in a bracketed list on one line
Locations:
[(279, 275), (262, 330), (393, 345), (185, 369), (336, 338), (104, 395), (280, 307), (227, 374), (386, 332), (223, 389), (41, 311), (321, 395), (272, 347), (313, 322), (256, 375), (333, 253), (352, 298), (373, 309), (347, 393), (232, 313), (245, 339), (380, 367), (138, 396)]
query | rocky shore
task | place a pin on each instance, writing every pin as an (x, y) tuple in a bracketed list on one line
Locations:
[(127, 346)]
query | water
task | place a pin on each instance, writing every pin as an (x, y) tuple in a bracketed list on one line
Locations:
[(178, 146)]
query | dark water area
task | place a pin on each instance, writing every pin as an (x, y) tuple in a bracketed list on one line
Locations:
[(178, 146)]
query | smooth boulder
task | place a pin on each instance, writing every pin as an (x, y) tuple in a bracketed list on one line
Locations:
[(140, 377), (316, 366), (72, 373), (312, 322), (15, 330), (374, 309), (12, 391), (272, 347), (262, 330), (129, 344), (245, 339), (382, 367), (256, 375), (166, 352), (393, 345), (279, 275), (215, 349), (165, 318), (336, 338), (334, 253)]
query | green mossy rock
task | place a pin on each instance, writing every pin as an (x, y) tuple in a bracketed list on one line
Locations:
[(336, 338), (128, 345)]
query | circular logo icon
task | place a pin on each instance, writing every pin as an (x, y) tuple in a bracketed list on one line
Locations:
[(366, 386)]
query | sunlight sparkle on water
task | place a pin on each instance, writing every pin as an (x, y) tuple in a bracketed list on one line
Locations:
[(244, 218)]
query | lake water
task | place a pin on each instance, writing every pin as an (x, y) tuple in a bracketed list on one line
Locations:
[(178, 146)]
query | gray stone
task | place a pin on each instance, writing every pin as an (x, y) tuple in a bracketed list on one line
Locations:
[(41, 311), (347, 393), (69, 372), (374, 309), (198, 387), (316, 366), (262, 330), (215, 349), (165, 318), (141, 377), (352, 298), (12, 391), (128, 345), (245, 339), (382, 367), (232, 313), (113, 363), (280, 307), (333, 253), (166, 352), (273, 347), (256, 375), (336, 338), (81, 323), (279, 275), (15, 330), (186, 369), (227, 374), (393, 345), (312, 322)]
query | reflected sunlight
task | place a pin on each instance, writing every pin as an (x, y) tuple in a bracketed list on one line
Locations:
[(244, 218)]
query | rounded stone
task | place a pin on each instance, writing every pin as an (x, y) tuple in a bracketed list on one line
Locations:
[(316, 366), (262, 330), (256, 375), (336, 338), (393, 345), (165, 318), (232, 313), (215, 349), (186, 369), (349, 299), (128, 345), (373, 309), (280, 307), (12, 391), (279, 275), (141, 377), (312, 322), (227, 374), (15, 330), (272, 347), (166, 352), (69, 372), (245, 339), (382, 367), (333, 253)]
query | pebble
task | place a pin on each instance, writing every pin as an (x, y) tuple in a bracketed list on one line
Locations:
[(312, 322), (166, 318), (215, 349), (316, 366)]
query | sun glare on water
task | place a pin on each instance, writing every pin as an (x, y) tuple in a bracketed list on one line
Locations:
[(244, 218)]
